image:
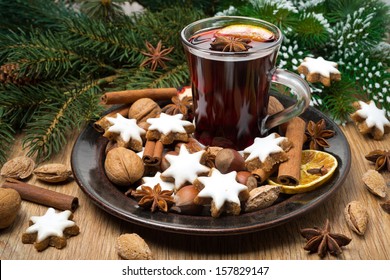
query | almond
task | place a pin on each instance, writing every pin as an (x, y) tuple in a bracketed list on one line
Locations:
[(375, 183), (53, 173), (18, 168), (357, 217)]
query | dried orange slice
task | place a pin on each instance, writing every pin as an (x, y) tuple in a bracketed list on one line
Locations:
[(317, 168), (255, 33)]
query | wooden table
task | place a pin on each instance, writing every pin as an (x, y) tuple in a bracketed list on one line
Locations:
[(100, 230)]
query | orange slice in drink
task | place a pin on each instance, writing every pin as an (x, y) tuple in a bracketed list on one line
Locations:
[(255, 33), (317, 168)]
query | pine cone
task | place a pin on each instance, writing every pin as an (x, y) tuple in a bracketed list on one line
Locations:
[(9, 73)]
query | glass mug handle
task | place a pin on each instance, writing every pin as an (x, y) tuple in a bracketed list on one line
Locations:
[(299, 87)]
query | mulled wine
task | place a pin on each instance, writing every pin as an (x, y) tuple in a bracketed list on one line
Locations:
[(232, 62)]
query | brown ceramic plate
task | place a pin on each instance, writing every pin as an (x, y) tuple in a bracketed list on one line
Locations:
[(87, 165)]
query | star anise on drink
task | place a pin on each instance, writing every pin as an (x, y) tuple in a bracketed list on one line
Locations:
[(316, 134), (179, 106), (156, 56), (154, 198), (321, 241), (230, 44), (381, 159)]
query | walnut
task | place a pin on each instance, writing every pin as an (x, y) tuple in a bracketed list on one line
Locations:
[(10, 202), (123, 166), (143, 109)]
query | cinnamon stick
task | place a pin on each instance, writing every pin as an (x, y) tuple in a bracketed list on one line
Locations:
[(289, 171), (102, 124), (261, 175), (153, 152), (42, 196), (130, 96)]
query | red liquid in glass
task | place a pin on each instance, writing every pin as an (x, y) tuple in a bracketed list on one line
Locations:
[(230, 97)]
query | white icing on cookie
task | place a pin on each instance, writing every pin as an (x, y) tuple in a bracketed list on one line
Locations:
[(373, 115), (50, 224), (263, 147), (126, 128), (168, 123), (320, 66), (221, 188), (184, 167), (152, 181)]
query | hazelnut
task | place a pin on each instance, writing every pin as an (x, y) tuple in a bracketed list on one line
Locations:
[(164, 163), (10, 202), (246, 178), (133, 247), (228, 160), (143, 109), (184, 201), (123, 166)]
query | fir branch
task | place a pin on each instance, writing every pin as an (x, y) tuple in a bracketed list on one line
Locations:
[(177, 76), (95, 38), (44, 56), (105, 10), (20, 102), (339, 106), (27, 15), (209, 7), (46, 133), (311, 30), (166, 25), (6, 136)]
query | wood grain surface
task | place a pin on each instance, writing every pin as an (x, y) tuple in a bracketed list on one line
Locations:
[(100, 230)]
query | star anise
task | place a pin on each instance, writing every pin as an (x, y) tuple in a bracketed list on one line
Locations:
[(381, 159), (316, 134), (230, 44), (154, 198), (321, 241), (179, 106), (157, 56)]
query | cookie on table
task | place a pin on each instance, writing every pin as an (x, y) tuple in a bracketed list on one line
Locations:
[(125, 132), (51, 229), (370, 119), (169, 128), (266, 152), (319, 70), (222, 191), (184, 168)]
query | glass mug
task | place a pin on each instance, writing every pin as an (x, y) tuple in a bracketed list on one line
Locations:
[(231, 89)]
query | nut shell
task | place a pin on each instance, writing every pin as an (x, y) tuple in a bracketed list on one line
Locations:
[(53, 172), (10, 202), (356, 216), (375, 183), (18, 168), (143, 109), (262, 197), (228, 160), (131, 246), (123, 166)]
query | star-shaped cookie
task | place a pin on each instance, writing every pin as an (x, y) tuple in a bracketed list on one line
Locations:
[(156, 179), (184, 167), (266, 152), (125, 132), (319, 70), (371, 120), (222, 191), (51, 229), (168, 128)]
